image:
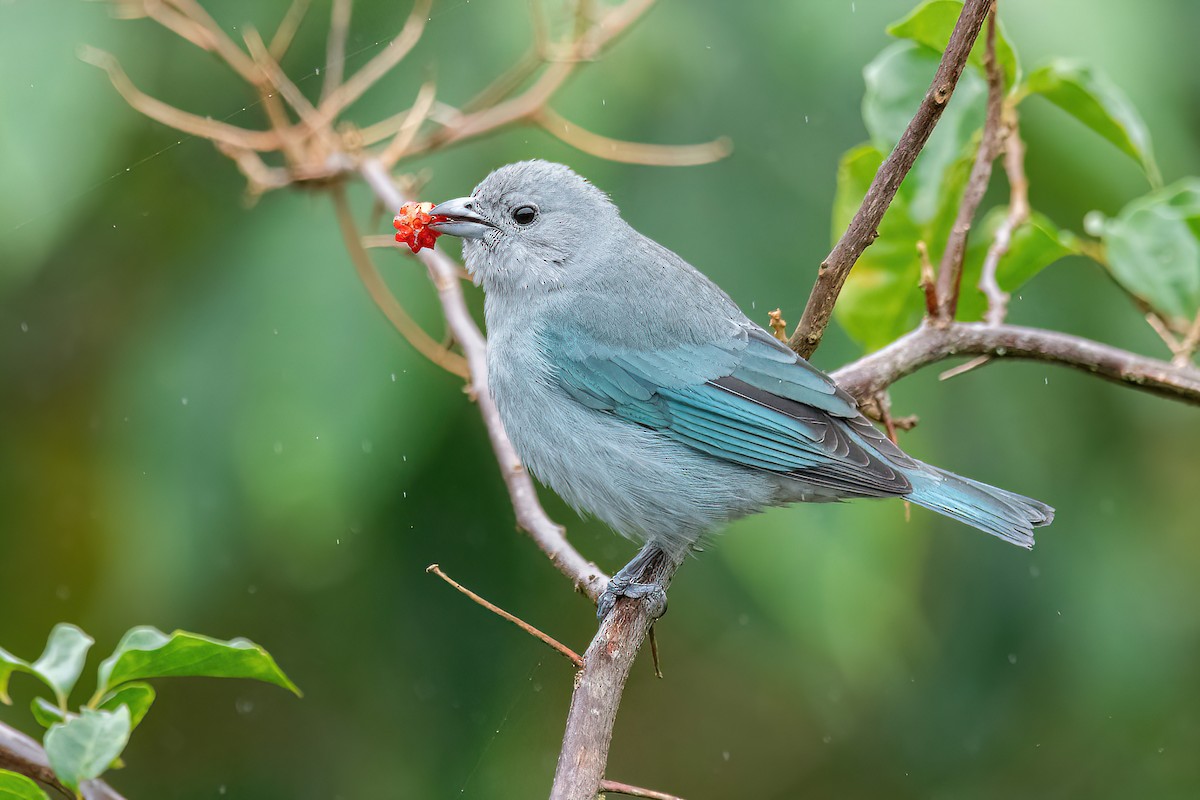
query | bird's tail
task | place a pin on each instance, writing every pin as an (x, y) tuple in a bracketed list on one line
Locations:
[(1010, 516)]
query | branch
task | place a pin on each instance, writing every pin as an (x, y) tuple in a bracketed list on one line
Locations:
[(863, 228), (598, 688), (635, 791), (950, 269), (1018, 213), (661, 155), (930, 344), (531, 517), (21, 754)]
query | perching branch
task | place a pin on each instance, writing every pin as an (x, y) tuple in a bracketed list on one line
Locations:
[(863, 227), (23, 755), (932, 343)]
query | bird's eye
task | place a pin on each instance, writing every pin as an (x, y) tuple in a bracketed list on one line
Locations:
[(524, 215)]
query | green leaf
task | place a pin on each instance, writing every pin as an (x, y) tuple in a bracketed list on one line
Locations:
[(147, 652), (1153, 249), (83, 747), (8, 665), (1089, 96), (137, 697), (45, 712), (930, 25), (1035, 245), (896, 81), (18, 787), (62, 660)]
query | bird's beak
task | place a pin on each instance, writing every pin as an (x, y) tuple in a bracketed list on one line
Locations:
[(461, 219)]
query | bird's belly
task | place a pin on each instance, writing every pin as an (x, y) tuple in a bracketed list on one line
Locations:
[(643, 484)]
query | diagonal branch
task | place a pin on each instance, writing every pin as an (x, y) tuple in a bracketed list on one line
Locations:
[(863, 227)]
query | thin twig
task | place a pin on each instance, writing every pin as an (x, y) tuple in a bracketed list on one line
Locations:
[(661, 155), (383, 297), (930, 344), (949, 278), (964, 368), (654, 652), (288, 26), (397, 148), (1191, 341), (864, 226), (928, 280), (1018, 214), (630, 790), (545, 638), (263, 141), (358, 83), (335, 47)]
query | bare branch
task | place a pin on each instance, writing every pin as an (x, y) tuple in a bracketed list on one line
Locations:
[(598, 688), (221, 43), (662, 155), (615, 787), (1018, 214), (531, 517), (262, 141), (24, 756), (545, 638), (930, 344), (341, 97), (397, 148), (335, 48), (1191, 341), (864, 226), (383, 297), (950, 269), (288, 26)]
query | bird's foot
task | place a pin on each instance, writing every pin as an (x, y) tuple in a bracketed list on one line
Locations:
[(652, 594)]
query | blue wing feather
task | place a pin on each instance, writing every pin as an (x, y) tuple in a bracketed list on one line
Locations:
[(748, 400)]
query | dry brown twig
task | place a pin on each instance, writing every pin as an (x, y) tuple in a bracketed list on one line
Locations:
[(318, 151)]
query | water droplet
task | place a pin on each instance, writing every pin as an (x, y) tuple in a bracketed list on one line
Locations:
[(393, 377), (183, 400), (252, 589), (244, 706), (24, 327), (827, 738), (63, 592), (725, 755), (1012, 658), (1034, 572), (277, 447), (367, 446)]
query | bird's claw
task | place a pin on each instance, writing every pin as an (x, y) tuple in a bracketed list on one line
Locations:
[(654, 595)]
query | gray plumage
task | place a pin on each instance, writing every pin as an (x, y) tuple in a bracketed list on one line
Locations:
[(636, 389)]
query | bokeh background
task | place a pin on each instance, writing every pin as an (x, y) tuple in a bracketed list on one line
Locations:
[(206, 424)]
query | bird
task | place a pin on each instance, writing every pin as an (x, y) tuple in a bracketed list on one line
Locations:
[(635, 388)]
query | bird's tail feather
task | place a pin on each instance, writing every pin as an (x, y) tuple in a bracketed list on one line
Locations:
[(1001, 513)]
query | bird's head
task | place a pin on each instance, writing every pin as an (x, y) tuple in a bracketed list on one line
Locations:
[(528, 225)]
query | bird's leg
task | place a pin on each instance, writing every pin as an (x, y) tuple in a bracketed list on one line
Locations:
[(643, 578)]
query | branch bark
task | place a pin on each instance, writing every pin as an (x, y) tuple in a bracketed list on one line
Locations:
[(863, 227), (932, 343), (23, 755), (598, 689)]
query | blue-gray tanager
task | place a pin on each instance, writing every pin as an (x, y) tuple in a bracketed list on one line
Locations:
[(636, 389)]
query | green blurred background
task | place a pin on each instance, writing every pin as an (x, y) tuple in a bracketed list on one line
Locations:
[(205, 423)]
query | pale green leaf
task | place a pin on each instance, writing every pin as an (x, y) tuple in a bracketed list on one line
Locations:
[(137, 696), (45, 712), (83, 747), (8, 665), (1153, 249), (62, 661), (147, 652), (1088, 95), (18, 787), (930, 25)]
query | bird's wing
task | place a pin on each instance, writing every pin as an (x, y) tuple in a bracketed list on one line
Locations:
[(746, 399)]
